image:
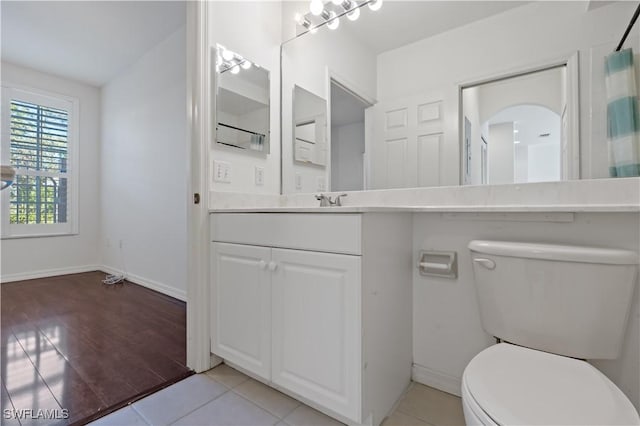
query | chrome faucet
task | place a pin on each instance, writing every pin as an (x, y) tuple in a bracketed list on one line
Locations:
[(325, 201)]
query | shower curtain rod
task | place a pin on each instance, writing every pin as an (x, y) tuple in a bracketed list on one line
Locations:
[(626, 33)]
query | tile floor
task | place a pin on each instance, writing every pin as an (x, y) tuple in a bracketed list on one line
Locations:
[(224, 396)]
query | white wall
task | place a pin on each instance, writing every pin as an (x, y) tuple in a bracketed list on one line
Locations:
[(447, 329), (501, 154), (307, 62), (516, 40), (144, 169), (32, 257), (251, 29), (543, 162), (544, 88), (347, 147)]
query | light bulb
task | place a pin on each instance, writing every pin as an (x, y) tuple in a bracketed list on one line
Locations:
[(246, 65), (375, 5), (227, 55), (333, 22), (354, 14), (235, 69), (316, 7), (298, 18)]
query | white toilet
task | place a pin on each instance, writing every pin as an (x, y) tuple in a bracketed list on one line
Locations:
[(555, 305)]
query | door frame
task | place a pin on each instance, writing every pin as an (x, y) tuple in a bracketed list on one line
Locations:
[(331, 78), (197, 46)]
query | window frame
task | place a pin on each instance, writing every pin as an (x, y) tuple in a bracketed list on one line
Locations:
[(53, 100)]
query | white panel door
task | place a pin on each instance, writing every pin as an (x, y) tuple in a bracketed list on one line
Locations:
[(400, 130), (241, 302), (317, 328), (429, 159)]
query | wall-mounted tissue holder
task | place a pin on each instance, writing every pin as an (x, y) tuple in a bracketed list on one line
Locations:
[(438, 264)]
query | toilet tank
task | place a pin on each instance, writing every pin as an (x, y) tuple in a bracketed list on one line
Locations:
[(567, 300)]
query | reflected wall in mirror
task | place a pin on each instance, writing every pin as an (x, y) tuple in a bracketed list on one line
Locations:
[(310, 128), (242, 102), (416, 61)]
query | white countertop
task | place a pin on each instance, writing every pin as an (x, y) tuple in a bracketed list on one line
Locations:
[(426, 209), (597, 195)]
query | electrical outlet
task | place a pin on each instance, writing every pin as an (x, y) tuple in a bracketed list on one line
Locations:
[(298, 181), (321, 184), (221, 171), (259, 176)]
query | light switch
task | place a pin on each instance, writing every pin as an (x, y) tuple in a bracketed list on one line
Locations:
[(221, 171), (259, 176)]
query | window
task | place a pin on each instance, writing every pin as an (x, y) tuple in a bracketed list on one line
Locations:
[(39, 141)]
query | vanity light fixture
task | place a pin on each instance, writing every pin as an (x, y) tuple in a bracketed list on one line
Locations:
[(375, 5), (227, 60), (328, 12), (333, 22), (228, 55), (354, 14), (316, 7)]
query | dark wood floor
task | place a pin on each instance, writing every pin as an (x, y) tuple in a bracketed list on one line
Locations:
[(72, 343)]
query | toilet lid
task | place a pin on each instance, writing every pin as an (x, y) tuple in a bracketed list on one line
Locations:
[(516, 385)]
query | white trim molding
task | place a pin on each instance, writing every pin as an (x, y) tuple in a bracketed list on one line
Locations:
[(437, 379), (198, 132), (136, 279), (46, 273), (145, 282)]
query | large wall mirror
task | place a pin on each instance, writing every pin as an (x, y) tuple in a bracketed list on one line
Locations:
[(438, 93)]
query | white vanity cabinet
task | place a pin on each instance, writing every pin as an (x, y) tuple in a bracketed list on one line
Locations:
[(241, 317), (316, 305)]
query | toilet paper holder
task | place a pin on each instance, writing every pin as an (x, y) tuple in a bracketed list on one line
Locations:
[(438, 264)]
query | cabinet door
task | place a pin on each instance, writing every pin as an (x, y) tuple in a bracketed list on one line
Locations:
[(241, 303), (317, 328)]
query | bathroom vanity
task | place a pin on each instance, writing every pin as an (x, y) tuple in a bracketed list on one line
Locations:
[(318, 305)]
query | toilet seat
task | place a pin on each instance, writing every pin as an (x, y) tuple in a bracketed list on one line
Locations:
[(515, 385)]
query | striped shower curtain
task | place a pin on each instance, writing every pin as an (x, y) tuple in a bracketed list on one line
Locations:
[(623, 115)]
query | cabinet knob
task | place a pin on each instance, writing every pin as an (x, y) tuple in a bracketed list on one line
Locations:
[(273, 266), (262, 264)]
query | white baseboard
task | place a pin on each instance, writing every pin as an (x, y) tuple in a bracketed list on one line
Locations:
[(145, 282), (437, 379), (45, 273)]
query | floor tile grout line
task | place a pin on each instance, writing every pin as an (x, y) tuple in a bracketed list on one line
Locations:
[(201, 405), (138, 413), (260, 407), (398, 410)]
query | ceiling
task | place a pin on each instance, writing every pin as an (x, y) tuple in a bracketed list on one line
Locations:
[(399, 22), (87, 41)]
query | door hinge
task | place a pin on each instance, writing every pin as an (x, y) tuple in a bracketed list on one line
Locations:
[(196, 198)]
